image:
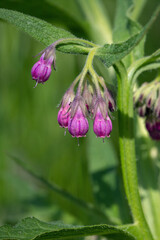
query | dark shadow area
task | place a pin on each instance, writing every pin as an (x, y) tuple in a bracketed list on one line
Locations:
[(126, 127)]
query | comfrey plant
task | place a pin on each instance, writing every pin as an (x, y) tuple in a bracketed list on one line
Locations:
[(88, 96)]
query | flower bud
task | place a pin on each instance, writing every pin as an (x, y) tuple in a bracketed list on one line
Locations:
[(64, 112), (153, 127), (63, 116), (142, 111), (78, 125), (87, 97), (157, 108), (41, 70), (110, 101), (102, 127), (98, 103)]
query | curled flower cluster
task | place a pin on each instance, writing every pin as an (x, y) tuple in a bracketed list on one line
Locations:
[(76, 108), (147, 103), (91, 100)]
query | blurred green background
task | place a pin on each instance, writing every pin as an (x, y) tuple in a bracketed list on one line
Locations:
[(29, 129)]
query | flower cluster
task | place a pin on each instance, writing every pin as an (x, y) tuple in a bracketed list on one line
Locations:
[(147, 103), (91, 100), (76, 108)]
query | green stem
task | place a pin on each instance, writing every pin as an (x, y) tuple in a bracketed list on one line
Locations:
[(127, 152), (87, 67), (78, 41)]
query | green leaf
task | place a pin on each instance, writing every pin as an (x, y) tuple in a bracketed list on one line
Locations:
[(110, 54), (47, 34), (122, 24), (57, 12), (85, 211), (42, 31), (32, 228), (144, 64), (125, 27)]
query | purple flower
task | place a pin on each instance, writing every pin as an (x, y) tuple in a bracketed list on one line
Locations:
[(78, 124), (64, 112), (63, 116), (153, 127), (41, 70), (102, 127)]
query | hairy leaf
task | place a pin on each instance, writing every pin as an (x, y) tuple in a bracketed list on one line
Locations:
[(32, 228), (110, 54), (46, 34), (41, 30), (144, 64)]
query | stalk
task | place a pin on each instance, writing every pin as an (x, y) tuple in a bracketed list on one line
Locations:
[(127, 152)]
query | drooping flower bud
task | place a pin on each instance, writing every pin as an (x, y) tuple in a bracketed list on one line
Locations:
[(64, 112), (63, 116), (87, 96), (102, 125), (142, 111), (153, 127), (41, 70), (78, 124), (157, 107)]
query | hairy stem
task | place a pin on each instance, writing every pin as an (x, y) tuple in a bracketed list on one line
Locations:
[(127, 152)]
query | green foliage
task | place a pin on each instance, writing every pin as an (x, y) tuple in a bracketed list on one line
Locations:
[(100, 194), (33, 228), (40, 30), (110, 54), (47, 34)]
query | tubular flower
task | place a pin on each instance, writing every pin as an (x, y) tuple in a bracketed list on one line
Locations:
[(63, 116), (41, 70), (102, 125), (64, 112), (78, 124)]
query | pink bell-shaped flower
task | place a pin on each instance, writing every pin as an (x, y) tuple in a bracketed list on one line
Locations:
[(41, 70), (102, 127), (64, 112), (63, 116), (78, 125)]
